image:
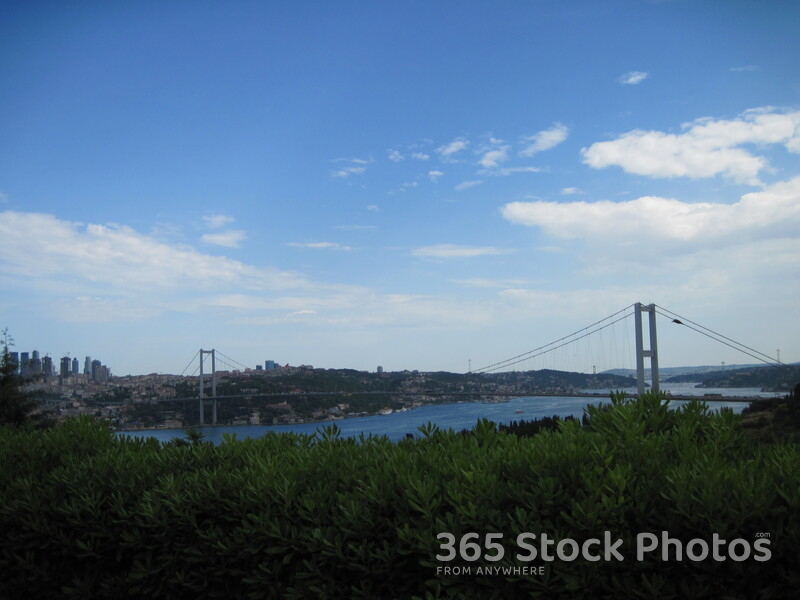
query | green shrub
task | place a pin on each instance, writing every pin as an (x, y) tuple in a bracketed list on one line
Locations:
[(86, 514)]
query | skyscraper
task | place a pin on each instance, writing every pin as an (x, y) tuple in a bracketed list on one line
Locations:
[(66, 366)]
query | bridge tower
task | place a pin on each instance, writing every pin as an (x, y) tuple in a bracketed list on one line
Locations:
[(641, 353), (213, 397)]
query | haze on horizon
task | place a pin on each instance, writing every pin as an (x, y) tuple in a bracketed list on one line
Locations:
[(414, 185)]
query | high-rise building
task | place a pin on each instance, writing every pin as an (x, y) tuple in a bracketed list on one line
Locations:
[(76, 366), (269, 365), (66, 366), (24, 363), (47, 366), (87, 366), (14, 358)]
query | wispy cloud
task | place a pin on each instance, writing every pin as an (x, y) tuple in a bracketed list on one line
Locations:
[(505, 171), (351, 166), (456, 251), (744, 69), (633, 77), (454, 147), (570, 191), (396, 156), (708, 147), (320, 245), (465, 185), (434, 175), (227, 239), (545, 139), (114, 258), (217, 221), (356, 227), (493, 158), (482, 282)]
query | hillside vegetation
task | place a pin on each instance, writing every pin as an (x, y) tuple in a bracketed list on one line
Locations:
[(86, 514)]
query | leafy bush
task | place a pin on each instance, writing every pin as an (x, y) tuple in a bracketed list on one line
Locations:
[(86, 514)]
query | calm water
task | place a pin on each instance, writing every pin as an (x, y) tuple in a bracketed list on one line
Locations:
[(457, 416)]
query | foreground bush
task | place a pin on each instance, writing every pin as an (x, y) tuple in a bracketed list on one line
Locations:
[(85, 514)]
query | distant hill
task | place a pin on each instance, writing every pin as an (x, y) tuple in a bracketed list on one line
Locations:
[(678, 371), (768, 378)]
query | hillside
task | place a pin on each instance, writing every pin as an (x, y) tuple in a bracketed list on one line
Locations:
[(769, 378)]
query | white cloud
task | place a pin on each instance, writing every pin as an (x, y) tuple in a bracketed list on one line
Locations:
[(482, 282), (69, 256), (455, 251), (569, 191), (514, 170), (352, 166), (420, 156), (544, 140), (775, 211), (434, 175), (373, 208), (217, 221), (632, 77), (356, 227), (320, 245), (465, 185), (457, 145), (493, 158), (706, 148), (347, 171), (228, 239), (396, 156)]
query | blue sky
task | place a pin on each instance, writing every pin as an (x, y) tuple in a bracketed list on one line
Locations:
[(414, 184)]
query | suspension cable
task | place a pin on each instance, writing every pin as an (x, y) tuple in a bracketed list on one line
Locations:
[(710, 333), (190, 364), (547, 347)]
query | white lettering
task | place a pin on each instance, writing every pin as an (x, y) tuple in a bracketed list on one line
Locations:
[(690, 550), (641, 548), (574, 550), (766, 554), (585, 550), (522, 543), (612, 548), (732, 552)]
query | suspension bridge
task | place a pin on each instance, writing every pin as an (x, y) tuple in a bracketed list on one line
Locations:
[(644, 352)]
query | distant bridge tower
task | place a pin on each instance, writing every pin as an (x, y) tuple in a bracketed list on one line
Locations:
[(213, 398), (641, 353)]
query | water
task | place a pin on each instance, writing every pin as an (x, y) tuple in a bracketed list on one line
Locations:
[(458, 416)]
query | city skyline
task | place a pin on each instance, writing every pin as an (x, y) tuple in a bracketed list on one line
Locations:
[(419, 185)]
